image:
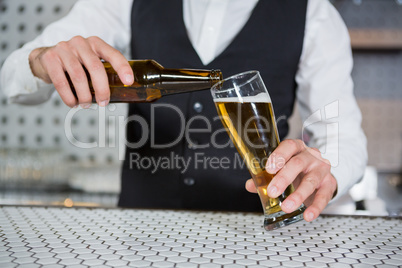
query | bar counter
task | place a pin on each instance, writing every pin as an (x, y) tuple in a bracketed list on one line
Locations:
[(101, 237)]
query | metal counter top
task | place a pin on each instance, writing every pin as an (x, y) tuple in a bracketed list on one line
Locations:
[(83, 237)]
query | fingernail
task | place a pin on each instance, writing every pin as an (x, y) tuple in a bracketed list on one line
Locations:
[(129, 79), (272, 191), (85, 105), (103, 103), (249, 184), (310, 216), (288, 204), (270, 166)]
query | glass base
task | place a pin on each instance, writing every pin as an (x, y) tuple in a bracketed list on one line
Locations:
[(281, 219)]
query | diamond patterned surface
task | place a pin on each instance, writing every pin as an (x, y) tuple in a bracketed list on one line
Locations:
[(81, 237)]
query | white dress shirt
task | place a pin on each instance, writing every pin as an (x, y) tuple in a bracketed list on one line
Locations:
[(325, 89)]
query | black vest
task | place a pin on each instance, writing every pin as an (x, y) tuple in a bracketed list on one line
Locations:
[(271, 42)]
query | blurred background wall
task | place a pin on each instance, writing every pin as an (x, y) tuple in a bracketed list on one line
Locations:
[(35, 151)]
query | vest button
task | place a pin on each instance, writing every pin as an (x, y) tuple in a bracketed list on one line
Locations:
[(189, 181), (198, 107)]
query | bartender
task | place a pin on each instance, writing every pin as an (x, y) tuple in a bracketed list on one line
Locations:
[(300, 47)]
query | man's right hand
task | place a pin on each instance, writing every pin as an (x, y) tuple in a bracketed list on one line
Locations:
[(51, 63)]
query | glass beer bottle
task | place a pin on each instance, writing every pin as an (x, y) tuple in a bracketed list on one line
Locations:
[(152, 81)]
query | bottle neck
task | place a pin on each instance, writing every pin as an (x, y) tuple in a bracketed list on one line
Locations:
[(216, 76), (187, 80)]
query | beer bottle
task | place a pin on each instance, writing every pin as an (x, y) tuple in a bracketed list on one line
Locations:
[(152, 81)]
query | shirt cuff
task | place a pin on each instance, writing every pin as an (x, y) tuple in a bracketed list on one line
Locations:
[(343, 186), (26, 88)]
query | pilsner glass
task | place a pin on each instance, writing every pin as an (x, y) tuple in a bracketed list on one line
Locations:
[(246, 111)]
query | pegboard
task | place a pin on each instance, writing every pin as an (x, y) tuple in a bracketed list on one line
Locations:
[(42, 126), (21, 21)]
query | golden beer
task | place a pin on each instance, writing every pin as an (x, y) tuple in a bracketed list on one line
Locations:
[(246, 111), (255, 138)]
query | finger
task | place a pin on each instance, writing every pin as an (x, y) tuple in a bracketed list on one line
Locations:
[(316, 150), (307, 187), (36, 63), (78, 77), (116, 59), (287, 175), (59, 80), (250, 186), (283, 153), (321, 200), (57, 76), (317, 154), (96, 70)]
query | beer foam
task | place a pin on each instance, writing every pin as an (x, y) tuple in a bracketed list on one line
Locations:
[(261, 97)]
